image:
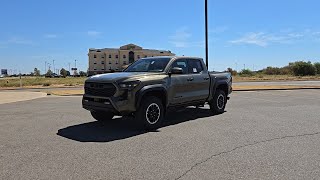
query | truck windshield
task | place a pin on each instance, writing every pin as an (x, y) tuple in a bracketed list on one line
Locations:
[(149, 65)]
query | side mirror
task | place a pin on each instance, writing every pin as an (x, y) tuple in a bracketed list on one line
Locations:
[(176, 70)]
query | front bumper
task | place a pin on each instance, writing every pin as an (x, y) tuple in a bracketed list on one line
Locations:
[(115, 105)]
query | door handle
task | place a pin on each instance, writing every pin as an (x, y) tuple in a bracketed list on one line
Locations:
[(206, 78), (190, 79)]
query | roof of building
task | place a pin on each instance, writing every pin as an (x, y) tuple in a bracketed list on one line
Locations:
[(127, 47)]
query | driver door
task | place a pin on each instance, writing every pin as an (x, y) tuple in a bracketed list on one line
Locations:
[(179, 90)]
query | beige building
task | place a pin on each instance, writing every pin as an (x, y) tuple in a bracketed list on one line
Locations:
[(110, 59)]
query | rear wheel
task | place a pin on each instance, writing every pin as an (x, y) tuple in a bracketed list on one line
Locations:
[(150, 113), (218, 104), (102, 116)]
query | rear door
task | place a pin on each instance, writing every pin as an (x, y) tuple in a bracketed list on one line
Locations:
[(201, 80)]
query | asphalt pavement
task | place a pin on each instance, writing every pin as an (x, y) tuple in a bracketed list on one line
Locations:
[(262, 135)]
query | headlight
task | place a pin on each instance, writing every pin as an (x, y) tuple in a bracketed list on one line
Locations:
[(128, 85)]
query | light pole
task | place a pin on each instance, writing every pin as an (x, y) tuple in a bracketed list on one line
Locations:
[(45, 67), (206, 33), (53, 67)]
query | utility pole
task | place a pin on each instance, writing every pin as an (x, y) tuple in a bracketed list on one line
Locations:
[(206, 32), (244, 66), (45, 67), (53, 66), (75, 63), (69, 67)]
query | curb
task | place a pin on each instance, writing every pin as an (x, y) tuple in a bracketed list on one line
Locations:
[(276, 89)]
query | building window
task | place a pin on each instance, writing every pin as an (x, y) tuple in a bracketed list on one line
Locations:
[(102, 57), (102, 62), (117, 56), (94, 56), (117, 69), (102, 69), (110, 68), (117, 62), (145, 56), (95, 69), (125, 62), (110, 56), (94, 63), (161, 52), (138, 56), (124, 56)]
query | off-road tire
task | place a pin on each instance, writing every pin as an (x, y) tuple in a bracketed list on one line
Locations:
[(150, 114), (218, 104), (102, 116)]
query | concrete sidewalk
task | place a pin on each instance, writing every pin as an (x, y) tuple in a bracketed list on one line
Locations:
[(10, 97)]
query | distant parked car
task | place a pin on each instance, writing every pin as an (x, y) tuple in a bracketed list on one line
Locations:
[(1, 76), (53, 75)]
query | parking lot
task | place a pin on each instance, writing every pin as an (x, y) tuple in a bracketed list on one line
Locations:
[(263, 135)]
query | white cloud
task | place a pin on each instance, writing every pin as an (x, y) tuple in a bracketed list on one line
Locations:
[(264, 39), (181, 39), (252, 38), (50, 36), (17, 40), (287, 36), (94, 33)]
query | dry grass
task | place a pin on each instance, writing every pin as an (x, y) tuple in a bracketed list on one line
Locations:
[(275, 78), (271, 87), (41, 81)]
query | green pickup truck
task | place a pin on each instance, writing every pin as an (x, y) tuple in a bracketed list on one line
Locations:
[(150, 86)]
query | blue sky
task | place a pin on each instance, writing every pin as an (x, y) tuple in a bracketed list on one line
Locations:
[(251, 32)]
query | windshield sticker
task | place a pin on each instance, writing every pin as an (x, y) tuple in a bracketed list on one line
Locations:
[(195, 70)]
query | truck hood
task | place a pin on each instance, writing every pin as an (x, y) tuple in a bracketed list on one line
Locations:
[(121, 76)]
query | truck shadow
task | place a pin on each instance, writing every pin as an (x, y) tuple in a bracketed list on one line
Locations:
[(125, 127)]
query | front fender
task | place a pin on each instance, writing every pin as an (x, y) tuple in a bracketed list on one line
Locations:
[(149, 89)]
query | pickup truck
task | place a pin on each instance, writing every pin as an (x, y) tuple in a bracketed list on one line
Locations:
[(150, 86)]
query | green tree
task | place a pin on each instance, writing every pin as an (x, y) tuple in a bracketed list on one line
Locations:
[(246, 72), (302, 68), (317, 66), (63, 72), (49, 72), (36, 72), (82, 73)]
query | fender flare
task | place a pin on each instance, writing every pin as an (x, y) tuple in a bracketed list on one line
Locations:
[(150, 88), (214, 89)]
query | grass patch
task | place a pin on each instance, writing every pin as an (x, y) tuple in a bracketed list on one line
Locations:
[(41, 81)]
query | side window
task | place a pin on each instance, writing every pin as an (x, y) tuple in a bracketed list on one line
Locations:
[(181, 63), (195, 66)]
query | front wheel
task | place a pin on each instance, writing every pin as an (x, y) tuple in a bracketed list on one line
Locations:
[(102, 116), (150, 113), (218, 104)]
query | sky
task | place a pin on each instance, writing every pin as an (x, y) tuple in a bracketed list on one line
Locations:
[(247, 33)]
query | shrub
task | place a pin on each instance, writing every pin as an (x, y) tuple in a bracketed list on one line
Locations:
[(246, 72), (301, 68), (233, 72), (317, 66), (46, 84)]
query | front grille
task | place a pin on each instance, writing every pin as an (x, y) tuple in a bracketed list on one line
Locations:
[(100, 89)]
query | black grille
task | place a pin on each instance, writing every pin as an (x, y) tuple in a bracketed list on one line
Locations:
[(100, 89)]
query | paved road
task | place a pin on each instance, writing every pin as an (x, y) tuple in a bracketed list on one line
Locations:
[(263, 135), (293, 83)]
